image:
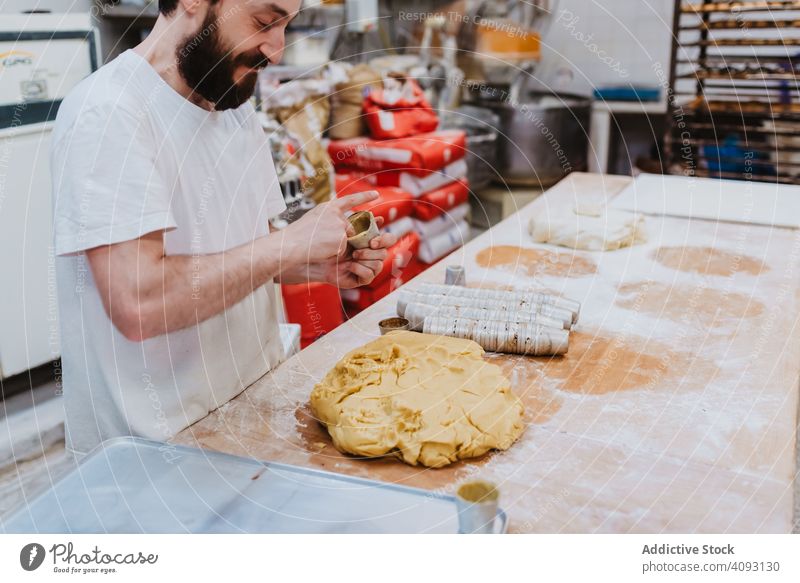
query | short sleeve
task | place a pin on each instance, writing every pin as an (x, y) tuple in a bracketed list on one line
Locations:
[(106, 184), (275, 202)]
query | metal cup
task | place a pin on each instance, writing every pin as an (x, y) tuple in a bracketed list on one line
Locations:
[(477, 503), (455, 275), (365, 227), (391, 324)]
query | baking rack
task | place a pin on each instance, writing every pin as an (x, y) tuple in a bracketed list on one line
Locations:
[(734, 95)]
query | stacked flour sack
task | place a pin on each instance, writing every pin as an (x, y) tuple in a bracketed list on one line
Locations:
[(517, 322), (395, 206), (441, 209), (431, 168), (420, 175)]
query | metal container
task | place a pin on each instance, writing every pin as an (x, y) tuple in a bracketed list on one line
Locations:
[(365, 227), (531, 296), (498, 336), (455, 275), (392, 324), (477, 503), (526, 307), (480, 125), (417, 312), (542, 137), (132, 485)]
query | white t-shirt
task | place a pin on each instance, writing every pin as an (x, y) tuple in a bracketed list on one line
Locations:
[(131, 156)]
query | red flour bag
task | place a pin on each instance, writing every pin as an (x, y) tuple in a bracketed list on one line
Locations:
[(417, 155), (352, 182), (388, 177), (315, 306), (422, 182), (398, 111), (391, 204), (363, 297), (398, 257), (432, 204), (345, 153)]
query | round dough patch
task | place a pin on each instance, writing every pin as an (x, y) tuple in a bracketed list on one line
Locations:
[(426, 399)]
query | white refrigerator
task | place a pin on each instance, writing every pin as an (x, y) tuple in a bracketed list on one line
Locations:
[(42, 57)]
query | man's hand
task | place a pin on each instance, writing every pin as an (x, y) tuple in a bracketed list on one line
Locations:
[(361, 266), (322, 232)]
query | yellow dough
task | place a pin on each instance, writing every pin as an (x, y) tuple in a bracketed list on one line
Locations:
[(427, 399)]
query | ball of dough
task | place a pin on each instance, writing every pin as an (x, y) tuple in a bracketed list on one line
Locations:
[(427, 399), (589, 227)]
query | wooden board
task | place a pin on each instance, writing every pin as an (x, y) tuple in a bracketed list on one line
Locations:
[(674, 410)]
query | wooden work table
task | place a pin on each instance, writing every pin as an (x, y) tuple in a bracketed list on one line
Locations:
[(675, 409)]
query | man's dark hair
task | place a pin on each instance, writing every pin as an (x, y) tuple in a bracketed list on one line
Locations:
[(167, 7)]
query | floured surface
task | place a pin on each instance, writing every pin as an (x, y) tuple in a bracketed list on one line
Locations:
[(674, 410), (757, 203), (428, 400), (687, 345)]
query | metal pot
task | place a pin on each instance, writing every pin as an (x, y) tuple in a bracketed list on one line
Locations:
[(480, 126), (543, 136)]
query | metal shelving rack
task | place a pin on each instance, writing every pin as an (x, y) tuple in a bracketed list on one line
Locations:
[(734, 102)]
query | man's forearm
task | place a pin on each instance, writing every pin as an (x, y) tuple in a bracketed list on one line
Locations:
[(302, 273), (147, 292), (189, 289)]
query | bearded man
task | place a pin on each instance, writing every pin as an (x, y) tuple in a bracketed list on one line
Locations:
[(163, 187)]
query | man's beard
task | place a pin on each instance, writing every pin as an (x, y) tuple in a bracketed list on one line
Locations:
[(206, 64)]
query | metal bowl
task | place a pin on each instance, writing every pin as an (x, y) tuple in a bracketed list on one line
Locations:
[(542, 138)]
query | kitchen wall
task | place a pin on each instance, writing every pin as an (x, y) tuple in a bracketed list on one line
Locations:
[(595, 43), (586, 43), (591, 43), (13, 6)]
